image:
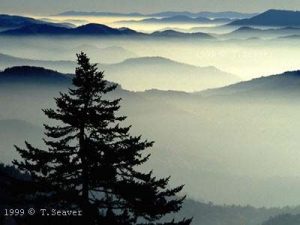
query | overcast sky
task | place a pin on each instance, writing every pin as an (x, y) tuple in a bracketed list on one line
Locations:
[(40, 7)]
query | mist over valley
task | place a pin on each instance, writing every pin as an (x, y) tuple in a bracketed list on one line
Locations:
[(217, 92)]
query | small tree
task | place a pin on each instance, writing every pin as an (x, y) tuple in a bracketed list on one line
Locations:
[(90, 161)]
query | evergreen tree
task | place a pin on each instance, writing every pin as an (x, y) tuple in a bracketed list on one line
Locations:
[(90, 162)]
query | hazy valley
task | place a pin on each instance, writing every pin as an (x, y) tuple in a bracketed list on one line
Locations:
[(211, 89)]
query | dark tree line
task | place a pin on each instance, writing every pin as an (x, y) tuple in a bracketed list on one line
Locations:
[(91, 162)]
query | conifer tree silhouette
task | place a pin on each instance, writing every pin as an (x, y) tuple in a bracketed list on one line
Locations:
[(91, 161)]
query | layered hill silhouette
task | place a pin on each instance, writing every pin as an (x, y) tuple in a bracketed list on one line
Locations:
[(165, 74), (32, 79), (181, 19), (88, 29), (82, 13), (272, 18), (33, 75), (176, 19), (225, 14), (11, 61), (251, 32), (143, 72), (96, 30), (110, 54), (13, 21), (177, 34), (282, 85), (16, 21)]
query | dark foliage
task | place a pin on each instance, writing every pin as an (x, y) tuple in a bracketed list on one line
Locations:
[(10, 177)]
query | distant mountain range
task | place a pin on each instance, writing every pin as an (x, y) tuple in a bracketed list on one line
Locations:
[(165, 74), (13, 21), (177, 19), (251, 32), (81, 13), (88, 29), (16, 21), (282, 85), (96, 30), (272, 18), (33, 75), (11, 61), (111, 54), (227, 14), (177, 34), (36, 81), (139, 73), (181, 19)]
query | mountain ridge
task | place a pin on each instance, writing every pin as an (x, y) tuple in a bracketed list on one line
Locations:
[(93, 29), (88, 29), (33, 75), (176, 73), (254, 32), (279, 85), (179, 19), (166, 74), (221, 14), (272, 17), (12, 61), (14, 21)]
